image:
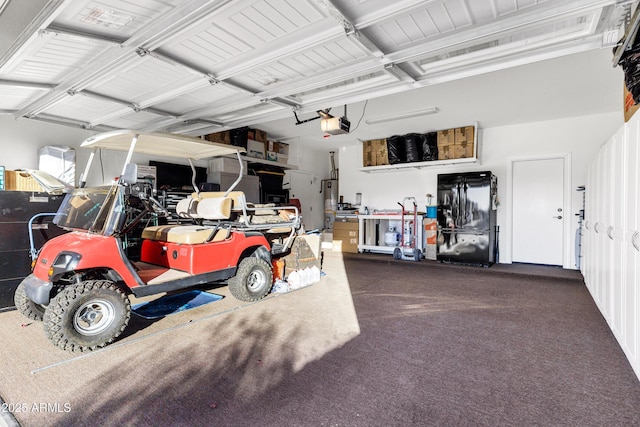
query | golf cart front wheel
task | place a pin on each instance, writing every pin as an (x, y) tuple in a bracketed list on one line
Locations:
[(252, 281), (28, 308), (397, 253), (87, 316)]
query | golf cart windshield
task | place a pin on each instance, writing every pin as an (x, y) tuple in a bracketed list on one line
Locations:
[(97, 210)]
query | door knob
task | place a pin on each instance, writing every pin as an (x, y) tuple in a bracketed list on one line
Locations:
[(558, 217)]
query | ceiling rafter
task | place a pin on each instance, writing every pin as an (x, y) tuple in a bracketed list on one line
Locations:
[(170, 24)]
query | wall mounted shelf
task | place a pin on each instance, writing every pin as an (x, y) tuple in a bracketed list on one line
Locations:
[(418, 165), (269, 162), (249, 159), (429, 164)]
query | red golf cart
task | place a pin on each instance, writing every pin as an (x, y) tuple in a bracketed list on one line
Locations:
[(81, 280)]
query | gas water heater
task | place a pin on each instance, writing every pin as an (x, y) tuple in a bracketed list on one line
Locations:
[(330, 191)]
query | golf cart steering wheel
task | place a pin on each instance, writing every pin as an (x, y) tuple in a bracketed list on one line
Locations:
[(153, 205)]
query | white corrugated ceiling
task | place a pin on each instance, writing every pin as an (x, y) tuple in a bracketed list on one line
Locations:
[(202, 66)]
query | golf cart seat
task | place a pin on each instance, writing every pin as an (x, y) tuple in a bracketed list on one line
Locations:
[(187, 234), (211, 208)]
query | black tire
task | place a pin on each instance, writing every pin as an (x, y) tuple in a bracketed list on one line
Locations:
[(417, 254), (397, 253), (87, 316), (27, 307), (252, 281)]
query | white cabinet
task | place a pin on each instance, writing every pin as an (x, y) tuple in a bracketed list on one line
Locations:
[(611, 248)]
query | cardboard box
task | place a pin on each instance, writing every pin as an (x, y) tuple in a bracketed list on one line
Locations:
[(381, 152), (446, 137), (21, 181), (305, 252), (463, 151), (278, 147), (255, 149), (446, 141), (464, 142), (368, 155), (345, 235), (463, 135), (345, 245), (375, 153), (446, 152), (283, 158), (283, 148), (223, 137), (257, 135), (345, 223), (630, 106), (348, 246)]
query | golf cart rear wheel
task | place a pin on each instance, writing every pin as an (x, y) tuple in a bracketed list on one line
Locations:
[(87, 316), (252, 281), (27, 307), (397, 253)]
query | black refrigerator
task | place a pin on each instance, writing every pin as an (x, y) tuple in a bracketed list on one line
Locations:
[(467, 232)]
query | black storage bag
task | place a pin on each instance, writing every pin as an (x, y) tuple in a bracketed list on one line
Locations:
[(429, 146), (413, 147), (395, 149), (239, 136)]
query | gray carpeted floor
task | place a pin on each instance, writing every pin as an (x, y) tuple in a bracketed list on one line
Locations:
[(448, 345), (377, 342)]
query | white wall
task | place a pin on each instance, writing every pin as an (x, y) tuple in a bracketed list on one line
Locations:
[(21, 139), (579, 136), (305, 183)]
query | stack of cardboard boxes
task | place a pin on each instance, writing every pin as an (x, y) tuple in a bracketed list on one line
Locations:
[(374, 152), (345, 235), (256, 143), (456, 143)]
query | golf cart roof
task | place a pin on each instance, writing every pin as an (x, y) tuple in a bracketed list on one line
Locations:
[(161, 144)]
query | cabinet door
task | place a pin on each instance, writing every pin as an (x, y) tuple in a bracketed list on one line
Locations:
[(588, 244), (631, 295), (600, 226), (614, 231)]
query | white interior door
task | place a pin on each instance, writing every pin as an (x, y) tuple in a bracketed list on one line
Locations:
[(538, 211), (304, 186)]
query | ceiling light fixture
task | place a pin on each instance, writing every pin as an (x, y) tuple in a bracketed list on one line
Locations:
[(418, 113)]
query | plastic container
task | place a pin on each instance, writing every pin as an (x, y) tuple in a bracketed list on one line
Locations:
[(307, 276), (315, 271), (294, 279)]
